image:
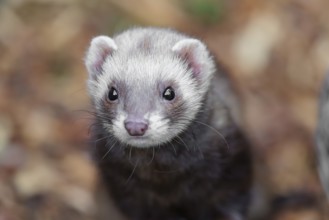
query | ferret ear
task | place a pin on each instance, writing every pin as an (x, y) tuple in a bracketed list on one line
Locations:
[(100, 48), (195, 53)]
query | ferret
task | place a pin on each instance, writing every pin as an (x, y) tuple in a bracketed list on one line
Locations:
[(167, 145)]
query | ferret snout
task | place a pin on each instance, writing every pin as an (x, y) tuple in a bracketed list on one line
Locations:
[(136, 128)]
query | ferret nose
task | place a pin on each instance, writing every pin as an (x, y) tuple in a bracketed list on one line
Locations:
[(136, 128)]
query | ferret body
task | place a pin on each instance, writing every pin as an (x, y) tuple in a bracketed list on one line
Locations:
[(166, 144)]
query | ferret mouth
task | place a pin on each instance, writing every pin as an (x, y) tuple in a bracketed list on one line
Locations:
[(140, 141)]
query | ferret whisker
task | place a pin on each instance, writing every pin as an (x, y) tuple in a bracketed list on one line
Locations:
[(95, 141), (95, 124), (153, 154), (107, 137), (194, 138), (122, 145), (187, 148), (87, 118), (90, 113), (99, 115), (130, 154), (216, 131), (177, 141), (81, 111), (132, 173), (173, 147), (99, 139), (109, 150)]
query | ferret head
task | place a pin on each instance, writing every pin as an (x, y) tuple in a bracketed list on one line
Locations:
[(147, 87)]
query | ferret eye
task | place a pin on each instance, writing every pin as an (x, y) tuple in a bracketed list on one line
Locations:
[(169, 94), (113, 94)]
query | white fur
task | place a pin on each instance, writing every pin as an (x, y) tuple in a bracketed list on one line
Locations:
[(201, 56), (140, 72), (156, 134), (98, 46)]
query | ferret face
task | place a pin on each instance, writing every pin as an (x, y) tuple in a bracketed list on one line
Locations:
[(146, 96)]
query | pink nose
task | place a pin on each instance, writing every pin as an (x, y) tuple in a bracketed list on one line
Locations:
[(136, 128)]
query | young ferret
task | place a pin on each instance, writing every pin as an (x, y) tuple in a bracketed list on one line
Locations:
[(166, 142)]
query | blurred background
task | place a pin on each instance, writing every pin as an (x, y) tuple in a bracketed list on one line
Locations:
[(276, 52)]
